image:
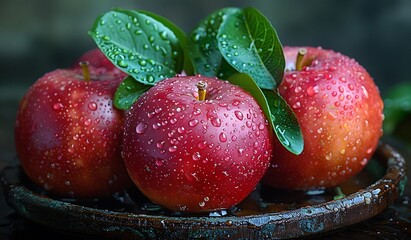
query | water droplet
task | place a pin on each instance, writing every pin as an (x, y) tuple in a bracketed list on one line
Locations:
[(239, 115), (240, 152), (88, 122), (202, 145), (92, 106), (311, 91), (143, 62), (236, 102), (150, 78), (163, 35), (281, 136), (173, 120), (159, 162), (122, 63), (216, 122), (193, 122), (160, 144), (223, 137), (156, 125), (141, 128), (181, 130), (297, 89), (58, 106), (296, 105), (329, 156), (172, 149), (196, 156)]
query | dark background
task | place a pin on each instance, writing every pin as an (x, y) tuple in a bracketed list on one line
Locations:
[(38, 36)]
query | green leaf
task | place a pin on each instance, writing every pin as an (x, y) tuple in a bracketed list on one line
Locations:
[(285, 123), (182, 38), (397, 105), (247, 83), (139, 44), (128, 92), (250, 44), (203, 45), (282, 119)]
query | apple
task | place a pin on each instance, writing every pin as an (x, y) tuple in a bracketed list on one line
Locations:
[(96, 58), (195, 144), (68, 134), (340, 112)]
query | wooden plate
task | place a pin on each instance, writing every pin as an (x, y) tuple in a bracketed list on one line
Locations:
[(265, 214)]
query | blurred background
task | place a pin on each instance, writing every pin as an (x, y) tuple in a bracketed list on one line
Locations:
[(39, 36)]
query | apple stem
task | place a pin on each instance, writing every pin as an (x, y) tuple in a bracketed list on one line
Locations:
[(300, 56), (202, 90), (86, 71)]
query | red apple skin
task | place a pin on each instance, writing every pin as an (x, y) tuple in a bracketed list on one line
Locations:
[(96, 58), (68, 134), (194, 156), (340, 111)]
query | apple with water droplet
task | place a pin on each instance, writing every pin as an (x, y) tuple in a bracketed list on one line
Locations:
[(194, 144), (340, 112), (68, 134), (96, 58)]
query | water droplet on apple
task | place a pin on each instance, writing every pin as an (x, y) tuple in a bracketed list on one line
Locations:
[(172, 148), (88, 122), (92, 106), (202, 145), (240, 152), (173, 120), (160, 144), (159, 162), (58, 106), (239, 115), (328, 156), (223, 137), (156, 126), (193, 122), (141, 128), (296, 105), (196, 156), (216, 122), (181, 129), (236, 102), (312, 90), (297, 89)]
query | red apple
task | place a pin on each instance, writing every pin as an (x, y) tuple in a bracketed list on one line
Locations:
[(96, 58), (191, 155), (340, 111), (68, 134)]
